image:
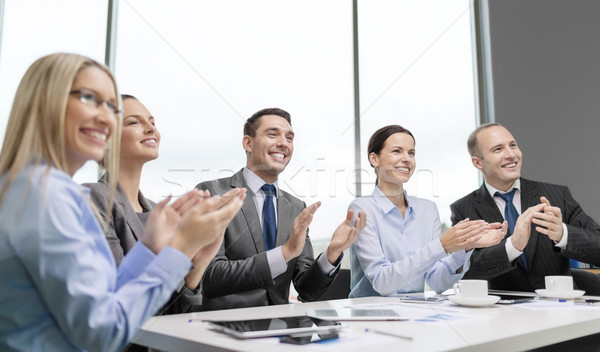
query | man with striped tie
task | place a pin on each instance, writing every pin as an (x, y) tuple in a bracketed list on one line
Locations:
[(266, 245), (546, 225)]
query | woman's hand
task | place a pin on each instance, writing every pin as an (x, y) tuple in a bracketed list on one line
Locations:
[(463, 235), (164, 218), (206, 222), (493, 235), (205, 254)]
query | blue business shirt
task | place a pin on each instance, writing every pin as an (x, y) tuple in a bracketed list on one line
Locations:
[(396, 254), (59, 289)]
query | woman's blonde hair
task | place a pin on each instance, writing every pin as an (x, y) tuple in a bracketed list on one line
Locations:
[(36, 126)]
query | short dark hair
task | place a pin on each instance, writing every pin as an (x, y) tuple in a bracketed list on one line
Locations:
[(253, 122), (473, 143), (381, 135)]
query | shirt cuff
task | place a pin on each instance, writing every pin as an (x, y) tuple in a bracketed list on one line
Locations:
[(562, 244), (172, 265), (437, 250), (326, 267), (276, 262), (457, 259), (511, 251), (134, 263), (467, 262)]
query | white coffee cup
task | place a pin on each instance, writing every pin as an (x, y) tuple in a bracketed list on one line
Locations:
[(471, 288), (559, 283)]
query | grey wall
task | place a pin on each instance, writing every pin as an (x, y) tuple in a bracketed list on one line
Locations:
[(544, 60)]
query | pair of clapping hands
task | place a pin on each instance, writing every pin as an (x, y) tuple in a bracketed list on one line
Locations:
[(468, 234), (193, 224)]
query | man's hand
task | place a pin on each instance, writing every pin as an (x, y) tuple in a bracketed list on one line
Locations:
[(295, 243), (345, 235), (463, 235), (522, 229), (493, 235), (549, 222)]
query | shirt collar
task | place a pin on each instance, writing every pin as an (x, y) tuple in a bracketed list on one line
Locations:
[(492, 190), (386, 204), (254, 182)]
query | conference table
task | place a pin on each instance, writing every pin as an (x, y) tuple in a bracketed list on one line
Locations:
[(443, 326)]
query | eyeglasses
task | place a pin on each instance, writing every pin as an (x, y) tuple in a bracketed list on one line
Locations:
[(89, 97)]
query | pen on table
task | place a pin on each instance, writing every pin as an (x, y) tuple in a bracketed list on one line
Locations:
[(389, 334)]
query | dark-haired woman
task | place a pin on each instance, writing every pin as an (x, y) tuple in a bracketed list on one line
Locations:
[(140, 141), (402, 246)]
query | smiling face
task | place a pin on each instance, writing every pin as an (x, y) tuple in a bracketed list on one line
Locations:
[(139, 138), (270, 150), (500, 157), (395, 163), (87, 127)]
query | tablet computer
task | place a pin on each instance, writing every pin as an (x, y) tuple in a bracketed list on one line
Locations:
[(272, 327), (588, 301), (511, 299), (351, 314)]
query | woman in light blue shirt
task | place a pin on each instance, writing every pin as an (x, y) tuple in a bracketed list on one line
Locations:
[(59, 289), (402, 246)]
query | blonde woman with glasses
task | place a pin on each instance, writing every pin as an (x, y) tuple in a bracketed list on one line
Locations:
[(59, 286)]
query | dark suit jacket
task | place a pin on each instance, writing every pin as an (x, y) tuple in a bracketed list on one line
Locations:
[(123, 231), (543, 257), (239, 275)]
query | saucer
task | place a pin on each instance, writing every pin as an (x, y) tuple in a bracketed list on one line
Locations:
[(474, 302), (560, 294)]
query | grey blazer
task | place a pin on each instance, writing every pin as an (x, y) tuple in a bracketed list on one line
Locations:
[(123, 231), (543, 257), (125, 227), (239, 275)]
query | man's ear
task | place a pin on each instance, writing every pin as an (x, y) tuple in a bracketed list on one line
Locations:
[(373, 159), (247, 143), (477, 162)]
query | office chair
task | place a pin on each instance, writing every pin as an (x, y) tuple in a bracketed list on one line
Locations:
[(586, 280)]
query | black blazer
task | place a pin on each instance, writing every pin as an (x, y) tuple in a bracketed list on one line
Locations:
[(543, 257), (239, 275)]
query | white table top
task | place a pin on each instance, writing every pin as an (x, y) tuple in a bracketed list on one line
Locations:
[(496, 328)]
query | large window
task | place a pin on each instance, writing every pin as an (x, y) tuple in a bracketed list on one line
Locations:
[(416, 70), (34, 28), (203, 67)]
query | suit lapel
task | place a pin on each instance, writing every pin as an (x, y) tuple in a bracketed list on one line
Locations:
[(284, 226), (530, 197), (249, 212), (130, 216), (485, 206)]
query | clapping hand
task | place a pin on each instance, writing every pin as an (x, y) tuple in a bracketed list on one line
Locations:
[(295, 243), (549, 221), (463, 235), (494, 233), (345, 235), (164, 218)]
